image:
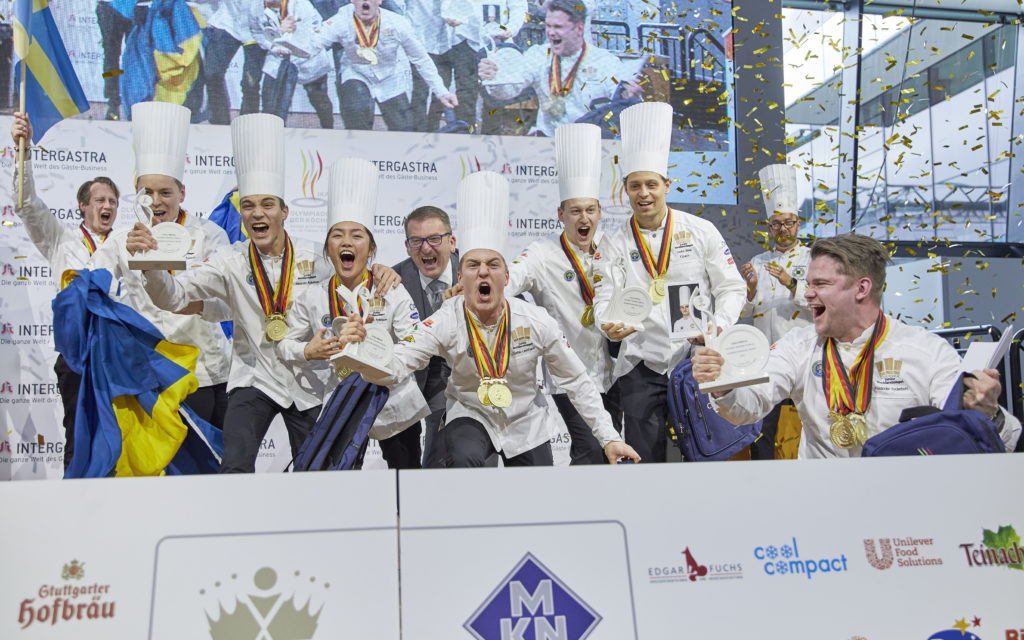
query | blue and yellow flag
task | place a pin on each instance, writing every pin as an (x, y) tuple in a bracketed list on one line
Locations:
[(52, 90), (129, 418), (162, 57), (227, 216)]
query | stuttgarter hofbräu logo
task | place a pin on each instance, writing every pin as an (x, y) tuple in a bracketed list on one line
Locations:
[(785, 559), (1000, 547), (262, 612), (67, 602), (532, 603)]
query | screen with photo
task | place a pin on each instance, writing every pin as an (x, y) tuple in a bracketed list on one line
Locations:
[(460, 67)]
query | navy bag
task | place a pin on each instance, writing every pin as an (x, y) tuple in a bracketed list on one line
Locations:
[(928, 431), (339, 437), (699, 432)]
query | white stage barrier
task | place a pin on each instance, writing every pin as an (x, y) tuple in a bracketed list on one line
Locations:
[(862, 549)]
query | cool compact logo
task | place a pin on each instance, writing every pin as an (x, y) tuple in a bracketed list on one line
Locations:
[(997, 548), (692, 570), (67, 602), (266, 609), (532, 603), (784, 560), (900, 552)]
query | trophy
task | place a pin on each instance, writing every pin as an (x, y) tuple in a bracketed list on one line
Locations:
[(172, 239), (744, 348), (372, 356), (630, 305)]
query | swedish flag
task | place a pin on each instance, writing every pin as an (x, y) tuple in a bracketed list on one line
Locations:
[(52, 90), (130, 419), (228, 217)]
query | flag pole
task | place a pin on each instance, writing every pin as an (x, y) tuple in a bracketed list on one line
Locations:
[(21, 142)]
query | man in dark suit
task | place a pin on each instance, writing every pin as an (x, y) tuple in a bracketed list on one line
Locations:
[(430, 269)]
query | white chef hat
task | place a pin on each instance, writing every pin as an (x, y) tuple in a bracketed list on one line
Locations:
[(353, 193), (160, 138), (778, 188), (257, 140), (684, 295), (646, 137), (482, 207), (578, 160)]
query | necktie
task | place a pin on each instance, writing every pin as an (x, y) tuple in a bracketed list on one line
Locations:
[(435, 292)]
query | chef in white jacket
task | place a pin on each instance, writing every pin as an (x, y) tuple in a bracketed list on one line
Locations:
[(160, 140), (657, 247), (349, 245), (377, 48), (853, 345), (493, 345)]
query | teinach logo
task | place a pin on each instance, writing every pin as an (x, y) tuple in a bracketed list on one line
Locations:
[(532, 603), (1001, 547), (265, 614)]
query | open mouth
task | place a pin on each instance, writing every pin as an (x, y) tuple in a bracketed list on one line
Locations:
[(583, 233), (348, 259), (484, 289), (817, 311), (106, 217), (428, 261), (364, 7), (260, 229), (555, 41)]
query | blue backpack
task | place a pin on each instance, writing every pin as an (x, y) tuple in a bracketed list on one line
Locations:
[(927, 431), (339, 437), (699, 432)]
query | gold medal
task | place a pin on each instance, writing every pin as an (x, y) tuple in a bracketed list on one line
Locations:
[(556, 107), (499, 395), (587, 319), (483, 393), (842, 431), (277, 328), (859, 425), (367, 54), (342, 371), (657, 290)]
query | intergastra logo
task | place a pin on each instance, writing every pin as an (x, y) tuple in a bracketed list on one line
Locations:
[(67, 601), (265, 607), (532, 603), (785, 560), (997, 548), (901, 552)]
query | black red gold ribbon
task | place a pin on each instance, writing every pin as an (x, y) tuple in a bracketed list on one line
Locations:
[(365, 38), (87, 240), (655, 269), (555, 83), (491, 365), (851, 392), (337, 304), (586, 289), (273, 300)]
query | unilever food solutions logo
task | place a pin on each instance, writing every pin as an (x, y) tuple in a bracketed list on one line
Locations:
[(900, 552), (312, 171), (532, 603), (263, 611)]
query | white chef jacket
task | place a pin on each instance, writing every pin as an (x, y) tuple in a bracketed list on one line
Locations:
[(597, 77), (397, 47), (511, 16), (201, 330), (918, 368), (62, 246), (254, 362), (395, 311), (231, 16), (699, 254), (266, 28), (544, 271), (776, 309), (535, 337)]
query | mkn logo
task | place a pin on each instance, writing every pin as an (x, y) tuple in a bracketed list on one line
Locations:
[(531, 603)]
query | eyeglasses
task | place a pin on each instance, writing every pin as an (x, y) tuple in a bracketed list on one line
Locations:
[(788, 224), (414, 242)]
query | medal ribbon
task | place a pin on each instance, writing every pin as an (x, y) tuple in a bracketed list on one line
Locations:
[(337, 304), (368, 40), (851, 392), (490, 365), (659, 268), (586, 289), (273, 300), (181, 217), (559, 88), (87, 240)]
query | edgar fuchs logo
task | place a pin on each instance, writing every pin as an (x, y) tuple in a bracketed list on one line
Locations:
[(67, 603), (998, 548), (532, 603), (692, 570), (900, 552), (265, 608), (959, 630)]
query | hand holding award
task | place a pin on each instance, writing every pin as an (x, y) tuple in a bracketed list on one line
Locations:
[(372, 356), (172, 240), (744, 348)]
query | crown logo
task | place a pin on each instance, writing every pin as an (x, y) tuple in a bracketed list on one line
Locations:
[(889, 367), (266, 614), (73, 570), (305, 267), (683, 237), (521, 334)]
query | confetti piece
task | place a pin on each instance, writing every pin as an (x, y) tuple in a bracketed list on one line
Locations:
[(112, 73)]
